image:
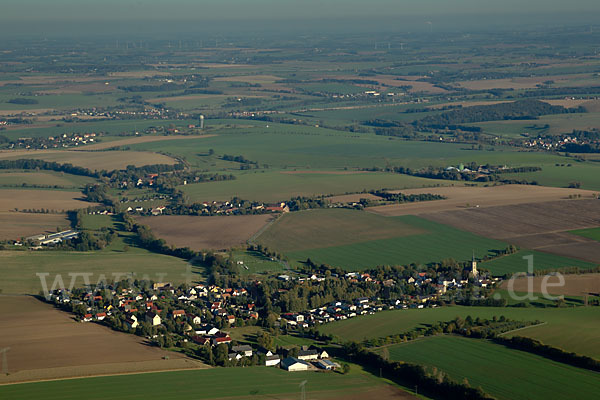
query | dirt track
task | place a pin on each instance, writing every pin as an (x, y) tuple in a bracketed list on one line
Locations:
[(46, 343)]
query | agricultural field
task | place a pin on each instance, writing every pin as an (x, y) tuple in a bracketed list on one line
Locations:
[(357, 240), (215, 383), (36, 199), (502, 372), (12, 178), (70, 348), (572, 329), (14, 225), (533, 226), (19, 268), (514, 263), (274, 186), (574, 285), (100, 160), (591, 233), (458, 197), (204, 233)]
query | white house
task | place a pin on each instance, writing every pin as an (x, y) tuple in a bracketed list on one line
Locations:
[(272, 360)]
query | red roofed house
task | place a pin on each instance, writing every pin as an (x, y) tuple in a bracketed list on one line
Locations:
[(221, 340)]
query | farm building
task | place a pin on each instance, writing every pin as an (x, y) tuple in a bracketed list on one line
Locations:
[(293, 364), (243, 349), (272, 360), (327, 364)]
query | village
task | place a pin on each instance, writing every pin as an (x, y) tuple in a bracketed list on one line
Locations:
[(205, 317)]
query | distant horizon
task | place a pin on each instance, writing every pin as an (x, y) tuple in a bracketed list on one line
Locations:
[(150, 16)]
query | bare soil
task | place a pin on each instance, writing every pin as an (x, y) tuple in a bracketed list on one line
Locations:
[(574, 285), (537, 226), (35, 199), (46, 343), (14, 225), (532, 217), (462, 198), (200, 233)]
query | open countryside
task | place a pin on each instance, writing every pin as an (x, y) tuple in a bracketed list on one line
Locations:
[(282, 200)]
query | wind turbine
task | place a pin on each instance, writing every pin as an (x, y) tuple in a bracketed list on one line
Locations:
[(303, 390), (5, 361)]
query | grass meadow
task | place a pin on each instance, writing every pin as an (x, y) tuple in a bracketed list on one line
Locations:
[(502, 372), (572, 329)]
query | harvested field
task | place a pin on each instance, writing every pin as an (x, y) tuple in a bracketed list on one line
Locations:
[(138, 140), (350, 198), (574, 285), (36, 199), (66, 348), (535, 226), (462, 198), (198, 233), (108, 160), (14, 225)]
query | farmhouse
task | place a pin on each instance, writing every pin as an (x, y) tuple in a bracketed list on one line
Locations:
[(293, 364)]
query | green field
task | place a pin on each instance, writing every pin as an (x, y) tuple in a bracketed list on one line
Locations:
[(502, 372), (541, 261), (572, 329), (358, 240), (216, 383), (255, 262), (274, 186), (12, 178), (308, 147), (592, 233), (19, 268)]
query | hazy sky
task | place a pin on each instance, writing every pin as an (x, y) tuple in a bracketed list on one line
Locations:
[(244, 9), (143, 16)]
